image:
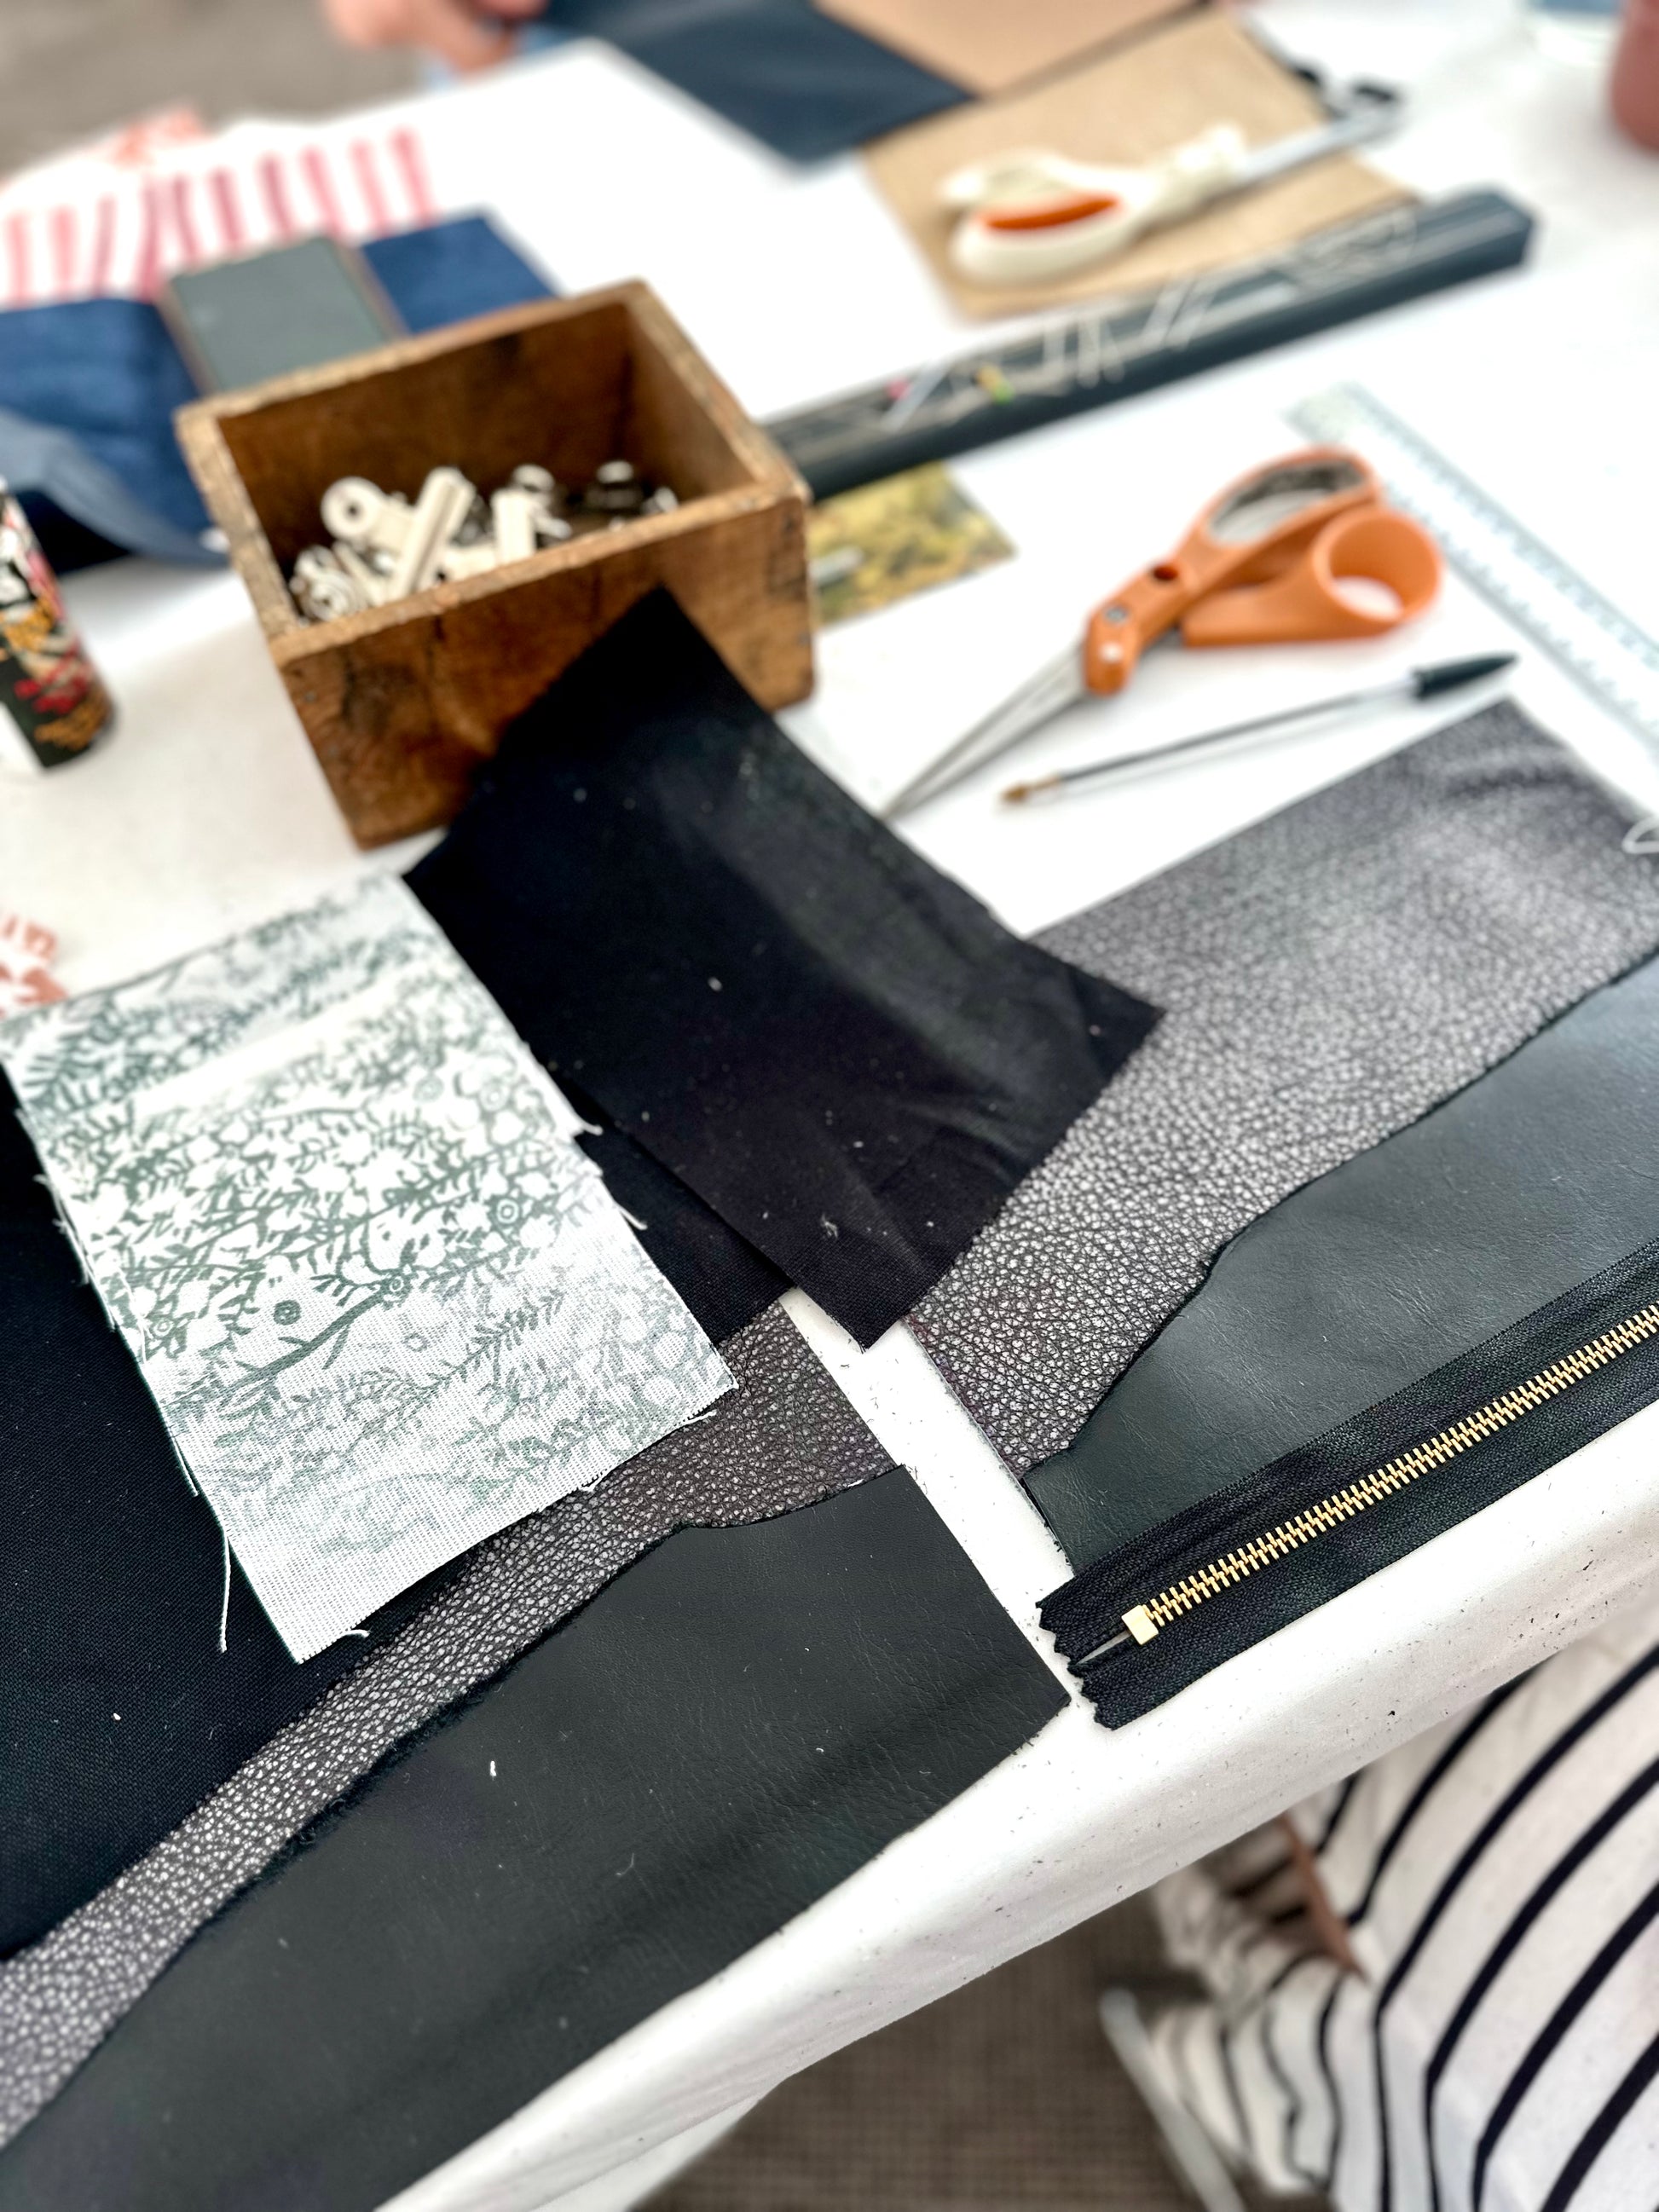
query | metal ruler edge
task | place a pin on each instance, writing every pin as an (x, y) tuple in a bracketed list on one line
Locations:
[(1610, 653)]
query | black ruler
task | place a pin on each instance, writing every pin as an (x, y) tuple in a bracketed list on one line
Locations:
[(1147, 338)]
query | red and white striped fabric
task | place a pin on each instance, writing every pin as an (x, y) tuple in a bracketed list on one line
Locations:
[(118, 219)]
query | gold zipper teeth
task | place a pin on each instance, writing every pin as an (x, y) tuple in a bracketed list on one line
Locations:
[(1143, 1622)]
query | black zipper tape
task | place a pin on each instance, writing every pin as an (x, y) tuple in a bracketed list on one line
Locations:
[(1132, 1677)]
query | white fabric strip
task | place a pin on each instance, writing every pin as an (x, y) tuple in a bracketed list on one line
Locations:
[(385, 1304)]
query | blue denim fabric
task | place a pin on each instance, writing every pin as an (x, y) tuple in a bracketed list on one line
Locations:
[(105, 375)]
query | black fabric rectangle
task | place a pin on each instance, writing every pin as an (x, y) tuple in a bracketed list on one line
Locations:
[(837, 1048), (722, 1277), (725, 1733), (802, 82)]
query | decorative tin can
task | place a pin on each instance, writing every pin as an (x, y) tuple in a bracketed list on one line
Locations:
[(50, 693)]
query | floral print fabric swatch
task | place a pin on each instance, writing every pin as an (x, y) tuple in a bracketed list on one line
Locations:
[(335, 1208)]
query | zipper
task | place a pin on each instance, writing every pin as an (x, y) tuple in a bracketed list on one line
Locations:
[(1180, 1599)]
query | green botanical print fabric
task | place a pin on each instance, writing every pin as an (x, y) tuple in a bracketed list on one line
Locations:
[(382, 1299)]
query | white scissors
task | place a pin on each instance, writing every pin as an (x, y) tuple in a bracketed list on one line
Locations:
[(1032, 216)]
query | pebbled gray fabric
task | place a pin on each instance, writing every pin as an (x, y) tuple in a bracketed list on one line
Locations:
[(784, 1437), (1327, 975)]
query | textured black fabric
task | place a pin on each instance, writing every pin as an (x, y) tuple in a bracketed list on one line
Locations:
[(803, 83), (722, 1277), (836, 1047), (727, 1283), (730, 1730), (118, 1711), (1534, 1179)]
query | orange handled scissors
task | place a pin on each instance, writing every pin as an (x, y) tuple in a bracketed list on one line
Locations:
[(1264, 564)]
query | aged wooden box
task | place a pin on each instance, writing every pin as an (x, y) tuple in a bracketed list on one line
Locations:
[(401, 702)]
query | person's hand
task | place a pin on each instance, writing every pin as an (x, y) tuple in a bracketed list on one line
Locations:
[(462, 32)]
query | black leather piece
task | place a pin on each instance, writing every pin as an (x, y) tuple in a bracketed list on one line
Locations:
[(1131, 1679), (1540, 1174), (722, 1736), (118, 1711), (803, 83), (837, 1048)]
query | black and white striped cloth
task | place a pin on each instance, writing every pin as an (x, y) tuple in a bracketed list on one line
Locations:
[(1498, 2050)]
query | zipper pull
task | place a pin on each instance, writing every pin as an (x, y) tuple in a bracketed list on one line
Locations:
[(1138, 1627)]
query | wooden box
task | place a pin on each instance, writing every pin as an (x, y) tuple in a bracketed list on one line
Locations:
[(401, 702)]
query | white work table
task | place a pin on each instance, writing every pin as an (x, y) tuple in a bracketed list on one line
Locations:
[(207, 811)]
